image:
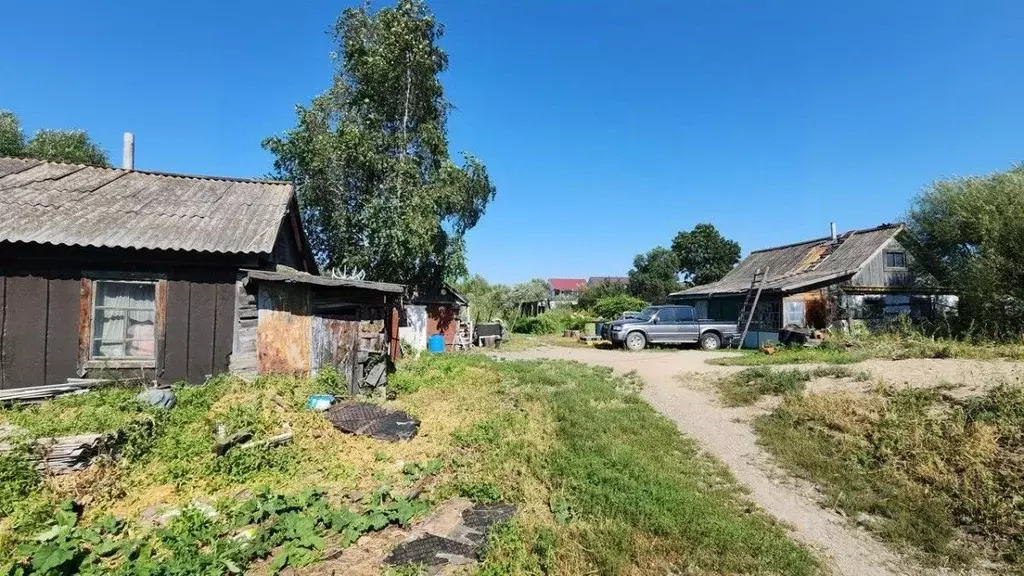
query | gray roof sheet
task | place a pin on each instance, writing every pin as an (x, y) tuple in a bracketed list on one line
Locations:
[(76, 205), (791, 267)]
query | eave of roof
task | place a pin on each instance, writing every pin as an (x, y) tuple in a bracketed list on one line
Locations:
[(295, 277)]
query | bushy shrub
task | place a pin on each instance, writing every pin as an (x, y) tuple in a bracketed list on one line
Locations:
[(612, 307), (542, 324), (553, 322), (569, 319)]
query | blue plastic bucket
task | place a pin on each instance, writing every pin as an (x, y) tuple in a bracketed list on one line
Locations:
[(435, 344), (319, 402)]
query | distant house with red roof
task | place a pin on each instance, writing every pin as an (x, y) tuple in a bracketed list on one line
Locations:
[(565, 291), (566, 286)]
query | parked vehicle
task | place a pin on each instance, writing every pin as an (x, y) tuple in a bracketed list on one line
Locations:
[(670, 325)]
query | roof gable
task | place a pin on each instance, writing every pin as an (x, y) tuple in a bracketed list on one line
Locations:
[(76, 205), (795, 266)]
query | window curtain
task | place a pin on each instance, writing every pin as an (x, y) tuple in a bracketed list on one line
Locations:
[(124, 320)]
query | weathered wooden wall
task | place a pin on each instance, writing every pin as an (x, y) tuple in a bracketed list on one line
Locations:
[(41, 311), (243, 354), (875, 274)]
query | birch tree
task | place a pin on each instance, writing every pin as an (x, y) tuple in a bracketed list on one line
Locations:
[(378, 189)]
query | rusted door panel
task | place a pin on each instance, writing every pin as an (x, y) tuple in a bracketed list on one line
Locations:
[(284, 332)]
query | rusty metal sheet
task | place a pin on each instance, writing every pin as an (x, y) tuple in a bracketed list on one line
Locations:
[(284, 331)]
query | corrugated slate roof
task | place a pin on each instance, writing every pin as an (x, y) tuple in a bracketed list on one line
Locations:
[(804, 264), (76, 205), (607, 280)]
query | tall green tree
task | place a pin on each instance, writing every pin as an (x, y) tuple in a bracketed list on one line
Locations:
[(704, 254), (12, 139), (378, 189), (71, 146), (499, 301), (654, 275), (968, 233), (592, 293)]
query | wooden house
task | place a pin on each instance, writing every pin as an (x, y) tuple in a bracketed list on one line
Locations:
[(870, 272), (110, 273)]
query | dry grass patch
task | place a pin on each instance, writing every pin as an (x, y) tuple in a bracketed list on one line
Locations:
[(922, 469), (748, 386)]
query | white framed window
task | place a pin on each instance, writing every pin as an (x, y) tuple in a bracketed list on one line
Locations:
[(123, 320)]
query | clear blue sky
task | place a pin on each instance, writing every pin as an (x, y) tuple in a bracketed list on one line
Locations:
[(607, 126)]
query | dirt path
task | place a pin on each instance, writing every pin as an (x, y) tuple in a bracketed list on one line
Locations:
[(848, 550)]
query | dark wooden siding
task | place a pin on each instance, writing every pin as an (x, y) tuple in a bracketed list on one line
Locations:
[(176, 331), (62, 339), (202, 308), (24, 350), (40, 323)]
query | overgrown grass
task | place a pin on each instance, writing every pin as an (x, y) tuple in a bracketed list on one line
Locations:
[(896, 345), (168, 462), (748, 386), (609, 486), (923, 470), (603, 483)]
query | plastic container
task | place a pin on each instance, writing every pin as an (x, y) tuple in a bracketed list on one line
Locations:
[(435, 344), (590, 329), (599, 328), (319, 402)]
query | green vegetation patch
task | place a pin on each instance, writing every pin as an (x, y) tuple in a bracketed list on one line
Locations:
[(622, 491), (897, 344), (789, 355), (917, 467), (603, 483), (749, 385), (289, 530)]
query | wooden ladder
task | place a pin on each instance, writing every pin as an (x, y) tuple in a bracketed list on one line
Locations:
[(464, 336), (750, 304)]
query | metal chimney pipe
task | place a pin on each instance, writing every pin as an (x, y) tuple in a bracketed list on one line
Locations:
[(128, 156), (834, 237)]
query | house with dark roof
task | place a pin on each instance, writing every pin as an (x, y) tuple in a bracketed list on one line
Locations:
[(870, 271), (110, 273), (620, 280)]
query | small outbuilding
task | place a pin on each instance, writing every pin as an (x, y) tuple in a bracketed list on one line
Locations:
[(111, 273), (437, 310)]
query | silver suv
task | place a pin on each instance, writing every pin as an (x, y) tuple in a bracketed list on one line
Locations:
[(669, 325)]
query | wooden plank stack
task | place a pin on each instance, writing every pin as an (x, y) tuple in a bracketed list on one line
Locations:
[(40, 393)]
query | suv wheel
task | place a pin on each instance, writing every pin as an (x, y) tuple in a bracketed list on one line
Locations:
[(710, 341), (636, 341)]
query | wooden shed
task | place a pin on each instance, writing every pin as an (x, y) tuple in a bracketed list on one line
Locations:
[(291, 322), (432, 311)]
